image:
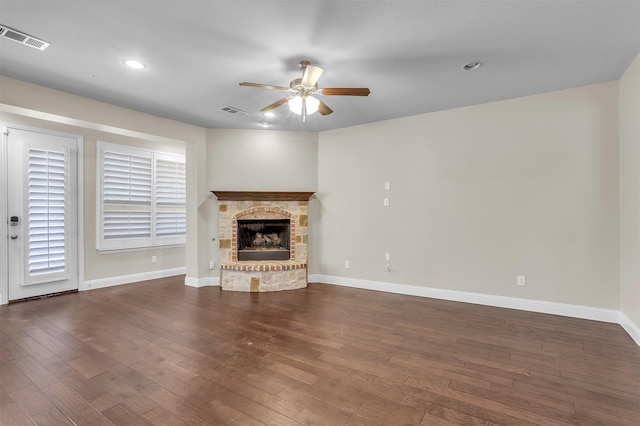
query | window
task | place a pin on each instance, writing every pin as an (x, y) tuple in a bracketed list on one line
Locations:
[(142, 198)]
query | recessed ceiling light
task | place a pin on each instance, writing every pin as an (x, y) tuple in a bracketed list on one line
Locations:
[(472, 66), (136, 65), (269, 114)]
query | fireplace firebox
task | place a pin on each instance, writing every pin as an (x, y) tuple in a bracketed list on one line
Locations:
[(264, 239)]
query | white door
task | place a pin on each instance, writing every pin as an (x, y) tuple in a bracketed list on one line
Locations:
[(42, 208)]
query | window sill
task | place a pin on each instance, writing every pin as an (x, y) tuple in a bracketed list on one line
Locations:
[(132, 249)]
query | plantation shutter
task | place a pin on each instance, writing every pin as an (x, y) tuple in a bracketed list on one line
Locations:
[(47, 186), (170, 196), (127, 198), (142, 198)]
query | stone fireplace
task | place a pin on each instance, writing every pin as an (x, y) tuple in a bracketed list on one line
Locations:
[(263, 240)]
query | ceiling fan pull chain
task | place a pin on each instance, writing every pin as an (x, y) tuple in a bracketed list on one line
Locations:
[(304, 110)]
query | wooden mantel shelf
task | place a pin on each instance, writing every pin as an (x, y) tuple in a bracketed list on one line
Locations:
[(262, 195)]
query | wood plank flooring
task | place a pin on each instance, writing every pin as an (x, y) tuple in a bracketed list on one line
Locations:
[(160, 353)]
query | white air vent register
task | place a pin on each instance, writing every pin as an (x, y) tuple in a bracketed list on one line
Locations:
[(20, 37)]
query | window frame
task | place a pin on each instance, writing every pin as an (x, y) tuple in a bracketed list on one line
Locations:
[(153, 241)]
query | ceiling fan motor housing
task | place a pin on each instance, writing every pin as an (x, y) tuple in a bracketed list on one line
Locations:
[(297, 86)]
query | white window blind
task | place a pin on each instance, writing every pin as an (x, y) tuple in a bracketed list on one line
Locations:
[(127, 183), (142, 198), (47, 185), (170, 196)]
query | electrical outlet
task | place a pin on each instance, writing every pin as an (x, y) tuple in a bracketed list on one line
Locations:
[(522, 281), (387, 267), (347, 264), (212, 265), (154, 259), (385, 202)]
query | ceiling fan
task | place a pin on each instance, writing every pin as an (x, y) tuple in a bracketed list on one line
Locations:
[(303, 92)]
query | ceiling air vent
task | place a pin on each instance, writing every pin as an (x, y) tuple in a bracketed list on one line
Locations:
[(232, 110), (22, 38)]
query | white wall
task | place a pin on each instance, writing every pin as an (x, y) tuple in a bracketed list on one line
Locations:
[(479, 195), (630, 197)]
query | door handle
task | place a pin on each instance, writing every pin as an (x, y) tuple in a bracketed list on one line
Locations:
[(14, 237)]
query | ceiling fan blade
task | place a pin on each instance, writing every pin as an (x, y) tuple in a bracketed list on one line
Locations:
[(324, 109), (274, 105), (311, 75), (345, 91), (263, 86)]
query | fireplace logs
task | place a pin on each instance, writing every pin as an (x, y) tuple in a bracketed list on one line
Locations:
[(264, 239)]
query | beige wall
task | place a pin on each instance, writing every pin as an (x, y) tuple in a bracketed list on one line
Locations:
[(73, 109), (259, 160), (630, 193), (36, 106), (479, 195)]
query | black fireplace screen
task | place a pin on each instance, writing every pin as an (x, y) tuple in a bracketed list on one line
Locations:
[(264, 239)]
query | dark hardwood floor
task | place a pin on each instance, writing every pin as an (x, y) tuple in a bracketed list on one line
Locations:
[(161, 353)]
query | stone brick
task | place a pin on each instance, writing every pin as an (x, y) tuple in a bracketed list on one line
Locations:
[(255, 284)]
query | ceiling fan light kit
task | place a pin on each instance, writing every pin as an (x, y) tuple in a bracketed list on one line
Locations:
[(311, 104), (303, 100)]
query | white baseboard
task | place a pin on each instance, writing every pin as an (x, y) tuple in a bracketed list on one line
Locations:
[(128, 279), (630, 327), (201, 282), (574, 311)]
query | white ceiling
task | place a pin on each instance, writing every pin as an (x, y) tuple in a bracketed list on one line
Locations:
[(409, 53)]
